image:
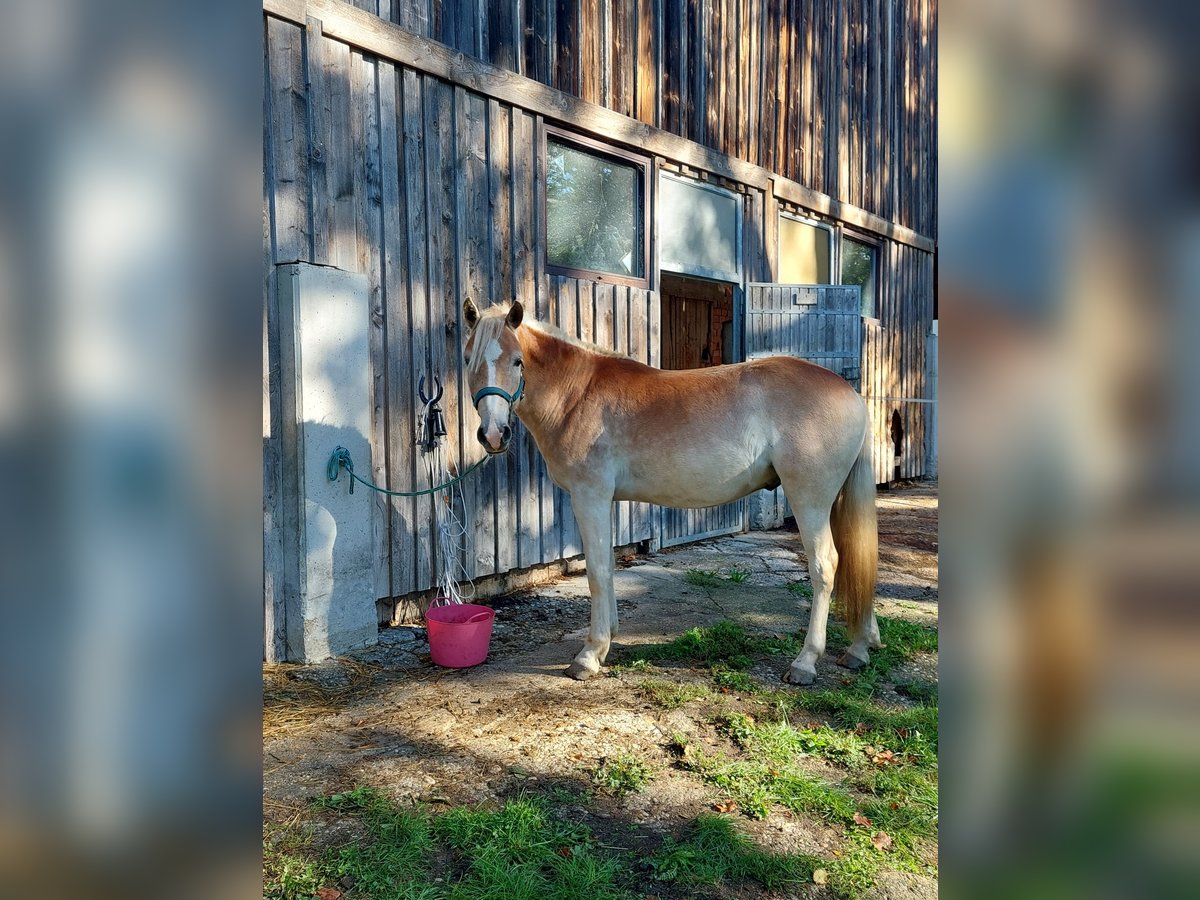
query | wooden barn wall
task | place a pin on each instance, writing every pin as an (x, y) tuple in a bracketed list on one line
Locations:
[(894, 362), (837, 95), (429, 189)]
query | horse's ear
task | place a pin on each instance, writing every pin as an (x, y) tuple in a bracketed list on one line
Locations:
[(516, 312), (470, 313)]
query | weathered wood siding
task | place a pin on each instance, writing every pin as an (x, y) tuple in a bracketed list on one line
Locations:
[(894, 367), (838, 95), (423, 174), (430, 190)]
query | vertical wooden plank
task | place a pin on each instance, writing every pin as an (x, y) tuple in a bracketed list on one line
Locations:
[(620, 57), (769, 30), (501, 36), (417, 277), (499, 134), (288, 141), (400, 435), (440, 163), (674, 75), (369, 224), (524, 450), (753, 71), (474, 278), (341, 240), (648, 76), (566, 66), (589, 50)]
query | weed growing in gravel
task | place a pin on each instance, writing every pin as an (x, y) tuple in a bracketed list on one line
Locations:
[(702, 578), (671, 695), (738, 576), (803, 588), (622, 774)]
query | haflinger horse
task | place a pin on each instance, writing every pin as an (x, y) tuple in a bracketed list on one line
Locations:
[(611, 428)]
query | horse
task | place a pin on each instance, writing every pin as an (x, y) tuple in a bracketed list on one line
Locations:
[(611, 428)]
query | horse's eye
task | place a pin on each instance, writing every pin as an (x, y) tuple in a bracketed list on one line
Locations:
[(518, 363)]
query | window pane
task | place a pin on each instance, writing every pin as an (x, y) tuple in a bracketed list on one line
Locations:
[(803, 253), (858, 267), (593, 212), (697, 228)]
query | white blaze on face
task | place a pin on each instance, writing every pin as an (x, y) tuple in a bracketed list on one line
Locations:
[(493, 410)]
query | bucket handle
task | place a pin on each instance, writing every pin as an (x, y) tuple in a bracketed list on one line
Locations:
[(478, 617)]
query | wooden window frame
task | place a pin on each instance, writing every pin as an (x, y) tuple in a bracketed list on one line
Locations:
[(844, 234), (624, 157), (834, 241), (735, 277)]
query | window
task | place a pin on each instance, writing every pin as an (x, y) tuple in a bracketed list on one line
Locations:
[(699, 228), (858, 267), (805, 251), (595, 211)]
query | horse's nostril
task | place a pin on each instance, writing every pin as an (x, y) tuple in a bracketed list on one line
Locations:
[(481, 436), (505, 434)]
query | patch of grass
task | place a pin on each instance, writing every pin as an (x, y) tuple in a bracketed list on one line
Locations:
[(519, 851), (289, 875), (738, 681), (726, 644), (716, 852), (671, 695), (738, 576), (889, 775), (702, 578), (634, 665), (622, 774), (803, 588)]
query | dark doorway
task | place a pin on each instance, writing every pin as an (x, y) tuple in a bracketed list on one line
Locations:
[(697, 322)]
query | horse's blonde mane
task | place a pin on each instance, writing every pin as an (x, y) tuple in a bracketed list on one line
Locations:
[(491, 325), (487, 329)]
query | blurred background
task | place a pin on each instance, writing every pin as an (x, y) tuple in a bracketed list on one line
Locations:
[(1069, 262), (130, 527), (130, 379)]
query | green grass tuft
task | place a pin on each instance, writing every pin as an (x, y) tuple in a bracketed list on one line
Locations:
[(738, 576), (726, 644), (702, 578), (622, 774), (803, 588), (671, 695), (715, 852)]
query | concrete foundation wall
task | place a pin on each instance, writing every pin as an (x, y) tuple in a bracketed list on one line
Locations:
[(325, 393)]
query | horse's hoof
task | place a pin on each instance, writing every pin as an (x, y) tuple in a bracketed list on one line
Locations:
[(847, 661), (581, 672), (797, 675)]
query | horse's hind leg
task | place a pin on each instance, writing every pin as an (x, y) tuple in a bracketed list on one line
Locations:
[(822, 564)]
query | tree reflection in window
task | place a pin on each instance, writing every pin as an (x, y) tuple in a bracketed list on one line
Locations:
[(593, 212)]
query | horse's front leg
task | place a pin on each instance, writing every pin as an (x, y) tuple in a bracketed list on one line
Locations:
[(593, 512)]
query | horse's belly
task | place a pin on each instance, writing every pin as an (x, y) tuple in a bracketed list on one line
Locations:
[(694, 486)]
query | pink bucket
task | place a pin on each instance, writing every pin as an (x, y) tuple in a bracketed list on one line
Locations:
[(459, 634)]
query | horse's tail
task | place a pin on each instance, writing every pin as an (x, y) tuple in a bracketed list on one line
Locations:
[(856, 537)]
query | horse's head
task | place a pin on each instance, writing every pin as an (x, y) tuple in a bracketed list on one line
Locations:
[(495, 373)]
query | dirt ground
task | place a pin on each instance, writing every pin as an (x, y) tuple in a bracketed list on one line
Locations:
[(423, 735)]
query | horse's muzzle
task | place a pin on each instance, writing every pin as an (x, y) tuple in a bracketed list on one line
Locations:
[(502, 445)]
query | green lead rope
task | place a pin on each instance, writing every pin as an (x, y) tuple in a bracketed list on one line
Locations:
[(340, 459)]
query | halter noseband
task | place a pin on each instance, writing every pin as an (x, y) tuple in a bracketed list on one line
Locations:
[(499, 392)]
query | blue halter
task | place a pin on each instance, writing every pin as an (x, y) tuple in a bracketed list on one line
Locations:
[(499, 392)]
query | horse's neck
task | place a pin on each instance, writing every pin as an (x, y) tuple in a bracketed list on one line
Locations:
[(557, 374)]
